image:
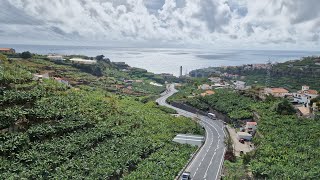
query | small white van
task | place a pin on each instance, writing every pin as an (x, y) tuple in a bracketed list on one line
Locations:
[(212, 116)]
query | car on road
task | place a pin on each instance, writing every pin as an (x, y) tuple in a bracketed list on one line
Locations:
[(212, 116), (186, 176)]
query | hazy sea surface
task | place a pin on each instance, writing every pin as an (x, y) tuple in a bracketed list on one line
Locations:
[(168, 60)]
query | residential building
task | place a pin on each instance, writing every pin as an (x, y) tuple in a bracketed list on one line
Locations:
[(139, 81), (37, 77), (240, 85), (251, 126), (244, 135), (83, 61), (55, 57), (305, 95), (7, 50), (219, 85), (276, 92), (304, 111), (215, 79), (205, 87)]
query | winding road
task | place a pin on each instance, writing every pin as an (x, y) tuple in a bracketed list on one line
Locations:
[(207, 163)]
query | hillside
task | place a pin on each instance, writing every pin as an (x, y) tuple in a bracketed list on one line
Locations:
[(291, 74), (50, 130), (287, 146)]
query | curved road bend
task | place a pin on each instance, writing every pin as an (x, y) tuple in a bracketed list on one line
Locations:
[(208, 162)]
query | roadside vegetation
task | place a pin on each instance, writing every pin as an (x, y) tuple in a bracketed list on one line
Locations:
[(286, 145), (53, 131)]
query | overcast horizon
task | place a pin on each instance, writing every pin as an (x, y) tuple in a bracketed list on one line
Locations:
[(243, 24)]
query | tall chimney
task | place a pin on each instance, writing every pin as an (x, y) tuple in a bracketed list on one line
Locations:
[(180, 71)]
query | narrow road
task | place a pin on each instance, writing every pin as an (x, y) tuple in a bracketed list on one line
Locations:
[(208, 162)]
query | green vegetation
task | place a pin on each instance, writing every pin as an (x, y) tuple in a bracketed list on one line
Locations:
[(287, 147), (147, 88), (3, 57), (26, 55), (291, 74), (53, 131), (234, 170), (167, 110)]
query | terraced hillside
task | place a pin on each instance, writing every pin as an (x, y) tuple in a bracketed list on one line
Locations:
[(53, 131)]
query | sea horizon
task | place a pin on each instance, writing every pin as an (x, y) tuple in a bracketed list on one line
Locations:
[(168, 60)]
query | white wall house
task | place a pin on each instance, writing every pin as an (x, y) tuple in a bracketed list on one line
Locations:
[(83, 61), (240, 85), (205, 87), (55, 57), (304, 96), (215, 79)]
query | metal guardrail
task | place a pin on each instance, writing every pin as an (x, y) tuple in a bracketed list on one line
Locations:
[(192, 157)]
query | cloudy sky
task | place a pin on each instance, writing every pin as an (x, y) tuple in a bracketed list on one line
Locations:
[(286, 24)]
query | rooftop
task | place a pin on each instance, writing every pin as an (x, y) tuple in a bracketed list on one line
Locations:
[(5, 49), (310, 91), (304, 110), (279, 90), (251, 123)]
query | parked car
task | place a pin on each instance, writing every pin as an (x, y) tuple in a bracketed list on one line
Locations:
[(186, 176)]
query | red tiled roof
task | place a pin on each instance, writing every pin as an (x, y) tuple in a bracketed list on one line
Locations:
[(279, 90), (5, 49), (310, 91), (251, 123)]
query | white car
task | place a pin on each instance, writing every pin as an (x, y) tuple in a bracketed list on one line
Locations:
[(186, 176), (212, 116)]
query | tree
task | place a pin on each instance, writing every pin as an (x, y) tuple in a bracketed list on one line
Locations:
[(284, 108), (100, 57), (26, 55)]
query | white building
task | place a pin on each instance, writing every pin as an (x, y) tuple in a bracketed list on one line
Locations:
[(305, 95), (55, 57), (244, 135), (40, 76), (83, 61), (215, 79), (205, 87), (240, 85), (276, 92)]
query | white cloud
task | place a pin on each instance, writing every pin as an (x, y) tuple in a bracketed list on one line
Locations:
[(218, 22)]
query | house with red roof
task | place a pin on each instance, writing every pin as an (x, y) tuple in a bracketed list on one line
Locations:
[(276, 92), (305, 95), (251, 126), (7, 50)]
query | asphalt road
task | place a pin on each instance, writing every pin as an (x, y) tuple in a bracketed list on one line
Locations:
[(208, 162)]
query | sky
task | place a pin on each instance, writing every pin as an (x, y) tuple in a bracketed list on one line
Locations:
[(252, 24)]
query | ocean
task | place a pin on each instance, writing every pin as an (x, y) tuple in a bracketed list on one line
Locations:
[(169, 60)]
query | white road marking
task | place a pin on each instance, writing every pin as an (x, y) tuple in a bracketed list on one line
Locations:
[(206, 152), (222, 157), (208, 124)]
